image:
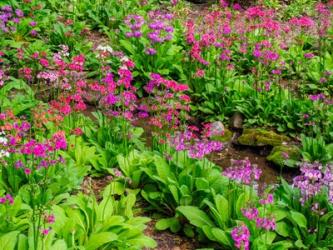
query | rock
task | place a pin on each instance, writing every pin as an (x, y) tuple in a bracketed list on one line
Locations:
[(261, 137), (236, 121), (216, 128), (285, 155), (225, 137)]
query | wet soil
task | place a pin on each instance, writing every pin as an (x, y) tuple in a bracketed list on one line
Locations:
[(270, 173), (168, 241)]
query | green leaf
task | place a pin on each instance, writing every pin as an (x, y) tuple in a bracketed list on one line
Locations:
[(99, 239), (282, 229), (59, 245), (195, 216), (164, 224), (222, 206), (202, 184), (282, 245), (299, 219), (300, 244), (8, 240), (221, 236), (22, 243), (127, 46), (280, 214), (162, 168)]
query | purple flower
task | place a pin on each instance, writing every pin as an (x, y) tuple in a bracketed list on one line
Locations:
[(250, 213), (268, 200), (241, 237), (243, 171), (317, 97), (313, 179), (150, 51), (111, 99), (19, 13), (308, 55), (33, 23), (33, 32), (134, 22), (266, 223)]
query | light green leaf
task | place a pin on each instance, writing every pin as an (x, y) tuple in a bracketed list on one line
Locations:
[(299, 219), (8, 240), (221, 236), (195, 216), (282, 229), (99, 239)]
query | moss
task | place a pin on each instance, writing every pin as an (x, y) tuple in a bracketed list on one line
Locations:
[(261, 137), (285, 155), (223, 138)]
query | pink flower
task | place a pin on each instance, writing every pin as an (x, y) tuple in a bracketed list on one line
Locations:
[(199, 73), (303, 22), (250, 213), (50, 219), (45, 231), (308, 55), (27, 171), (44, 62), (241, 237)]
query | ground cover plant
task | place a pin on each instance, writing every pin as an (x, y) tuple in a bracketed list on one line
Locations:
[(123, 120)]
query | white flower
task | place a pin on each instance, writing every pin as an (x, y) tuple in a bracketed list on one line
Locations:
[(105, 48), (3, 153)]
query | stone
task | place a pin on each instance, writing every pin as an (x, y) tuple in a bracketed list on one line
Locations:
[(236, 121), (285, 155), (216, 128), (260, 137)]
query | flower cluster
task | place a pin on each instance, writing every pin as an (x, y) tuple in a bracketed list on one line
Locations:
[(197, 148), (7, 199), (48, 219), (243, 171), (241, 237), (9, 17), (134, 23), (267, 223), (167, 104), (160, 28), (313, 179)]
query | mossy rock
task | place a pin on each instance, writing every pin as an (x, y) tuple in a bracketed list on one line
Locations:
[(261, 137), (226, 137), (285, 156)]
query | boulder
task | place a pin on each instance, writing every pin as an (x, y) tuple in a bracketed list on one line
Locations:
[(216, 128), (285, 155), (260, 137), (236, 121)]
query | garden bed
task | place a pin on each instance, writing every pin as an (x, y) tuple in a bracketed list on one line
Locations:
[(166, 125)]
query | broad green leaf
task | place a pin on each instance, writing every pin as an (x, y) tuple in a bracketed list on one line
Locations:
[(99, 239), (164, 224), (195, 216), (299, 219), (222, 206), (59, 245), (221, 236), (8, 240), (282, 228)]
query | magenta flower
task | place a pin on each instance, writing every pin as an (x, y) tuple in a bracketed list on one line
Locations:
[(241, 237), (243, 171)]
